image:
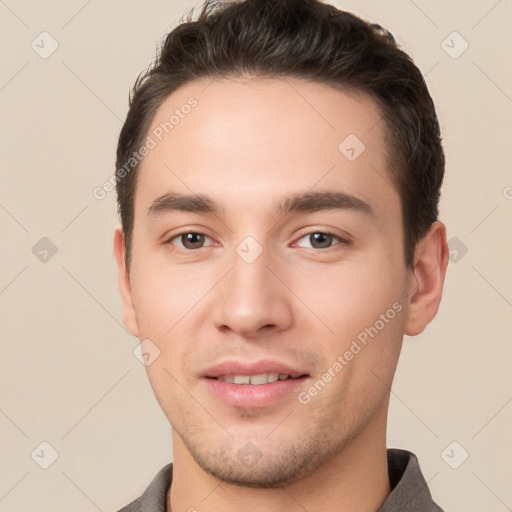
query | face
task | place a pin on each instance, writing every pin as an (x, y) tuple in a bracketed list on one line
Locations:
[(268, 242)]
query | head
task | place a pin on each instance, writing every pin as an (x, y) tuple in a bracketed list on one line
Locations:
[(285, 209)]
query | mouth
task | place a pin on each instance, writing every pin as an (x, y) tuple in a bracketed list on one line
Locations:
[(254, 385), (257, 379)]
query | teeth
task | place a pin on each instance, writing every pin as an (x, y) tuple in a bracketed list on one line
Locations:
[(262, 378)]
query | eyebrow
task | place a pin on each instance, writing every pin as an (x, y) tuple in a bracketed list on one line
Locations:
[(300, 202)]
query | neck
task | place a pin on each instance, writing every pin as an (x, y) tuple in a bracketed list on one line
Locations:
[(356, 478)]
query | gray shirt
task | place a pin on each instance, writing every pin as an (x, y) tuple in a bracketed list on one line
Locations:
[(409, 493)]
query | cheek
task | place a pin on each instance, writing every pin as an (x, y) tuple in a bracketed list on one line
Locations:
[(362, 306), (351, 296), (162, 297)]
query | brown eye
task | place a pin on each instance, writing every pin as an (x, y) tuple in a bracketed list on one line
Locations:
[(321, 240), (318, 240), (190, 240)]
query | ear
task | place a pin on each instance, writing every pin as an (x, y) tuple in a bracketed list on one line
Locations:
[(427, 279), (129, 317)]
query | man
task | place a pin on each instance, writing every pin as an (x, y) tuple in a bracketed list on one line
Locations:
[(278, 179)]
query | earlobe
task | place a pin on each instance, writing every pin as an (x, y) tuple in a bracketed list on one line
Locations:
[(129, 317), (427, 279)]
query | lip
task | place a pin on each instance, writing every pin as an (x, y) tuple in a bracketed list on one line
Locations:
[(249, 395), (251, 368)]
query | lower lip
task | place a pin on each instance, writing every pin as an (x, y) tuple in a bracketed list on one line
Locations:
[(253, 396)]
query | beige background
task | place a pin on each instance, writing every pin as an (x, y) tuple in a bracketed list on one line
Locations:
[(68, 375)]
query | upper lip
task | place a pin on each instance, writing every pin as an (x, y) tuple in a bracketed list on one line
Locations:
[(251, 368)]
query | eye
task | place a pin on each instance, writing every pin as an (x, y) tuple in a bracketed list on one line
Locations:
[(190, 240), (319, 240)]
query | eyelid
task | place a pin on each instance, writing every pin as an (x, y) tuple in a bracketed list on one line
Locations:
[(319, 228)]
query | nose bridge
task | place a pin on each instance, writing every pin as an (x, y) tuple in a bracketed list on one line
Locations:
[(252, 297), (250, 274)]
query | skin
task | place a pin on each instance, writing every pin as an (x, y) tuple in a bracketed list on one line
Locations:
[(248, 143)]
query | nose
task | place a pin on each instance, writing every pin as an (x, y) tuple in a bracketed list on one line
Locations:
[(253, 298)]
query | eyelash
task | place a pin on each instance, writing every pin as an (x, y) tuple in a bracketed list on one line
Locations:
[(340, 240)]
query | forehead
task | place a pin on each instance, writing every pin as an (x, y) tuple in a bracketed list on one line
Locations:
[(244, 138)]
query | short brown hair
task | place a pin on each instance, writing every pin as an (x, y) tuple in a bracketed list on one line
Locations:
[(303, 39)]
